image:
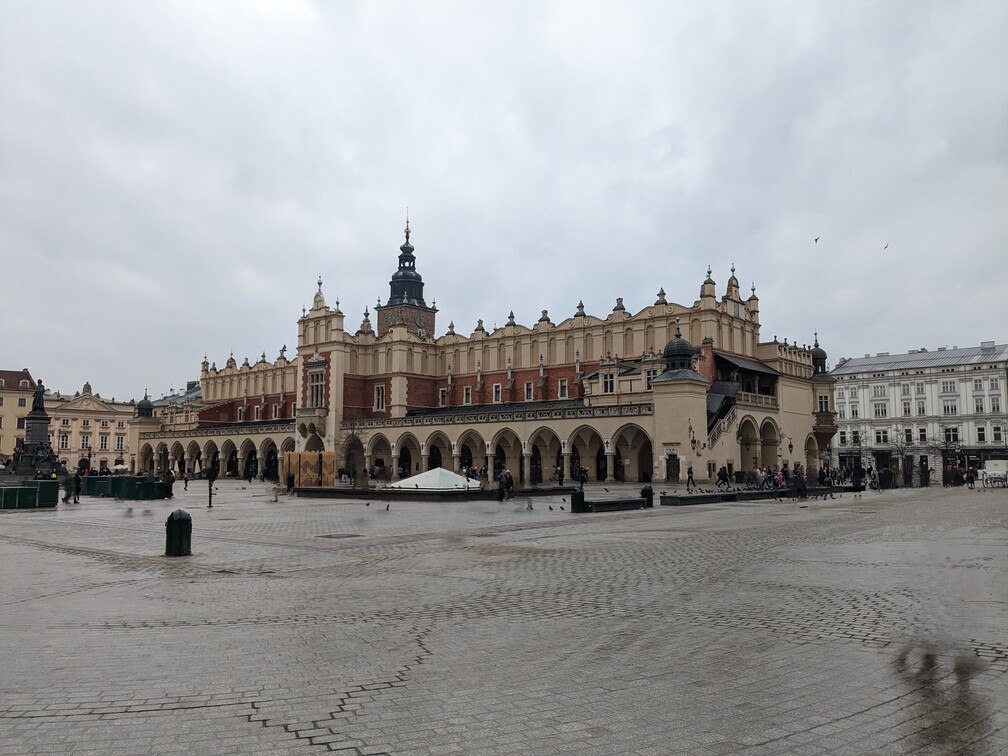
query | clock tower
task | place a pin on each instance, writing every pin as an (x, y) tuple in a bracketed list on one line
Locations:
[(406, 305)]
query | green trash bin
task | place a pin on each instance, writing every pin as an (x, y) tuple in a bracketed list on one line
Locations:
[(178, 534), (578, 502)]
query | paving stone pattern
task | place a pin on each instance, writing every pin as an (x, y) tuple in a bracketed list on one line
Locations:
[(877, 624)]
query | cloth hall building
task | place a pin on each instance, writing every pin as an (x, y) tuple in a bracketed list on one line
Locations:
[(628, 396)]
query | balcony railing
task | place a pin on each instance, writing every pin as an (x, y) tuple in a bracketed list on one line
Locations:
[(756, 400)]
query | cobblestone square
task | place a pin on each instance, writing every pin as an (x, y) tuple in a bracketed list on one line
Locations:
[(851, 625)]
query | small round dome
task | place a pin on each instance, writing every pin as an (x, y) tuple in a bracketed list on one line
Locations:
[(678, 352)]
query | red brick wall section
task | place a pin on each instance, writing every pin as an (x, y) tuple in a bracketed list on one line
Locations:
[(358, 397), (517, 393), (705, 366)]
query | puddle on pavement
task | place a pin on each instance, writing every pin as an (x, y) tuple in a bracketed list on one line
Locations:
[(940, 675)]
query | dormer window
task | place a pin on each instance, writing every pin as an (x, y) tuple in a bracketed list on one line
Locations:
[(24, 384)]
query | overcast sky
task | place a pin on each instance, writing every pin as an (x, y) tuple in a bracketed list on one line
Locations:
[(175, 176)]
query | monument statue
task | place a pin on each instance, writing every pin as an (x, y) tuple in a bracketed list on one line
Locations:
[(38, 400)]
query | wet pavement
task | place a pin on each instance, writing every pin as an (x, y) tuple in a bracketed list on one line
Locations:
[(877, 624)]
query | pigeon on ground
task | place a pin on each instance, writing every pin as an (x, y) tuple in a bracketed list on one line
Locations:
[(605, 489), (564, 499), (550, 507), (368, 504), (416, 485), (562, 509), (386, 507)]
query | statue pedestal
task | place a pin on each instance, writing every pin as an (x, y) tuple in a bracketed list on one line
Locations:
[(37, 453)]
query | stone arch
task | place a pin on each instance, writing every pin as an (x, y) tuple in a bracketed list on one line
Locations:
[(439, 451), (811, 454), (748, 439), (229, 459), (178, 459), (269, 457), (145, 460), (194, 457), (162, 461), (634, 449), (506, 449), (211, 457), (472, 450), (314, 443), (378, 453), (546, 454), (770, 440), (408, 455), (248, 458), (584, 445)]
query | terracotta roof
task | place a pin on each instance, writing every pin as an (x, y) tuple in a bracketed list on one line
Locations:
[(12, 378)]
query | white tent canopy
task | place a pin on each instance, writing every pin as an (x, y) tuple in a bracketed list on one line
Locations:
[(437, 479)]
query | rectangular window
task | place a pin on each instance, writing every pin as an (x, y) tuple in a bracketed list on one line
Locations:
[(649, 376), (921, 407), (85, 441), (103, 442), (906, 409), (881, 409), (528, 391), (608, 383), (978, 384), (121, 424), (467, 395), (379, 399), (853, 392), (881, 437), (920, 388), (922, 435), (841, 394), (442, 397), (64, 441), (950, 407), (258, 412), (22, 402), (824, 404), (276, 411), (908, 435), (241, 414), (952, 435), (996, 432), (497, 393), (996, 404), (981, 434), (841, 412), (1, 398), (906, 389), (995, 383), (978, 404), (878, 392), (854, 412), (65, 421), (316, 389), (104, 423), (20, 423), (120, 443), (843, 438), (562, 388), (86, 423), (948, 387), (855, 437)]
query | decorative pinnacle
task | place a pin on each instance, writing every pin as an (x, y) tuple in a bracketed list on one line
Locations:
[(678, 333), (733, 269), (708, 271), (319, 282), (407, 229), (816, 334), (754, 287)]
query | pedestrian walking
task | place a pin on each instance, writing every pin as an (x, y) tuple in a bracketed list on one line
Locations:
[(185, 481), (689, 478), (77, 480)]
